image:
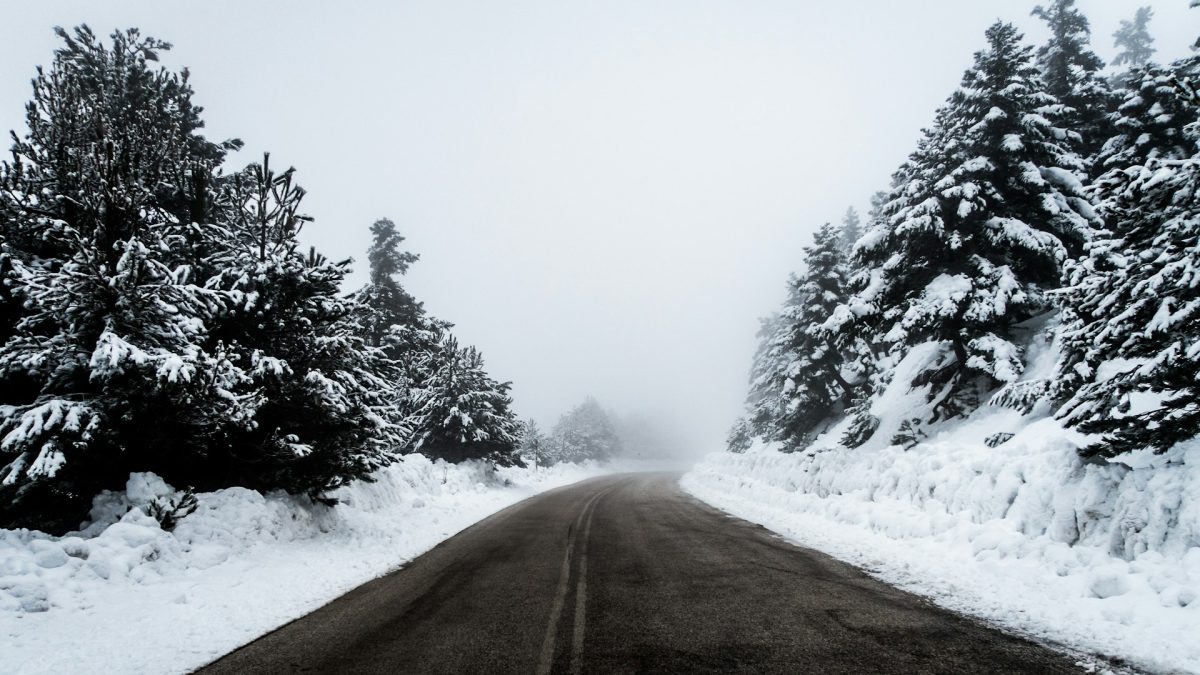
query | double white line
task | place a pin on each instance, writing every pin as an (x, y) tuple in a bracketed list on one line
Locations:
[(560, 597)]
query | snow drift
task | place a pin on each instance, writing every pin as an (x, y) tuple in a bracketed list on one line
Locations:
[(124, 596), (1104, 558)]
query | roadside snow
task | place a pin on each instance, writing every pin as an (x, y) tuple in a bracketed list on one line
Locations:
[(123, 596), (1100, 558)]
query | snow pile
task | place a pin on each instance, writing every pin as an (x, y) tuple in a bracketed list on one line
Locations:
[(124, 596), (1103, 558)]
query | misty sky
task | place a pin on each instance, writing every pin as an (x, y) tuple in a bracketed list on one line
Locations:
[(605, 196)]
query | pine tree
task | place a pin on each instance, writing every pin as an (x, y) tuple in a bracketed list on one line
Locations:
[(585, 433), (980, 220), (1149, 123), (534, 444), (797, 379), (461, 412), (1069, 70), (168, 321), (319, 406), (385, 303), (100, 210), (851, 229), (1131, 319), (1133, 41), (740, 436)]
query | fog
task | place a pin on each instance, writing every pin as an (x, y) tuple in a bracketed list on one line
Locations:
[(605, 196)]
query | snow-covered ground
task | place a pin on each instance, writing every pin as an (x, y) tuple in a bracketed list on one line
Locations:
[(123, 596), (1101, 558)]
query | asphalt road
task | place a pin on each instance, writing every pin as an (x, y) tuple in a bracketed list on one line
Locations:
[(626, 574)]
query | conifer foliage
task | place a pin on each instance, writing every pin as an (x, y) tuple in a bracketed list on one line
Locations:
[(1037, 207), (798, 381), (158, 314), (1134, 41), (1131, 326), (386, 308), (1069, 69), (317, 404), (982, 217), (100, 208), (460, 412), (585, 433)]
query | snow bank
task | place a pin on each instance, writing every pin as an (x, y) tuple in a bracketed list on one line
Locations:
[(123, 596), (1101, 558)]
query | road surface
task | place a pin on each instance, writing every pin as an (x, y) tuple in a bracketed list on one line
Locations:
[(627, 574)]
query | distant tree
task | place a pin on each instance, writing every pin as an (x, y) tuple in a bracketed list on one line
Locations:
[(586, 432), (851, 229), (879, 201), (534, 444), (1069, 68), (741, 436), (462, 413), (1133, 41)]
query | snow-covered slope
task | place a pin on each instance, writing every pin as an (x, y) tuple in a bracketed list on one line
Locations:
[(123, 596), (1103, 558)]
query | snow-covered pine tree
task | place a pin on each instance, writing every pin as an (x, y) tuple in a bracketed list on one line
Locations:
[(586, 432), (980, 219), (1132, 308), (462, 413), (534, 444), (1152, 125), (798, 380), (1149, 121), (764, 398), (858, 346), (384, 302), (851, 229), (319, 406), (105, 364), (1134, 43), (740, 436), (1069, 69)]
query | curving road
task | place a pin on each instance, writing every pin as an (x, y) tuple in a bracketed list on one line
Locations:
[(626, 574)]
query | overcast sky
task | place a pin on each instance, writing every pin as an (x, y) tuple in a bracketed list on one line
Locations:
[(605, 196)]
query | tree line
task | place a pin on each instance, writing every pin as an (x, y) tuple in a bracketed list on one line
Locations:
[(158, 313), (1045, 201)]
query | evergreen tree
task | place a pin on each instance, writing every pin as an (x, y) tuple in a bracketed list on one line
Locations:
[(879, 201), (461, 413), (106, 304), (585, 433), (1069, 69), (1132, 309), (980, 220), (851, 229), (167, 322), (1133, 41), (797, 379), (319, 406), (740, 436), (1149, 123), (534, 444), (385, 303)]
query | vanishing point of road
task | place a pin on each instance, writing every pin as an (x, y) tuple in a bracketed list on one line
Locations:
[(627, 574)]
